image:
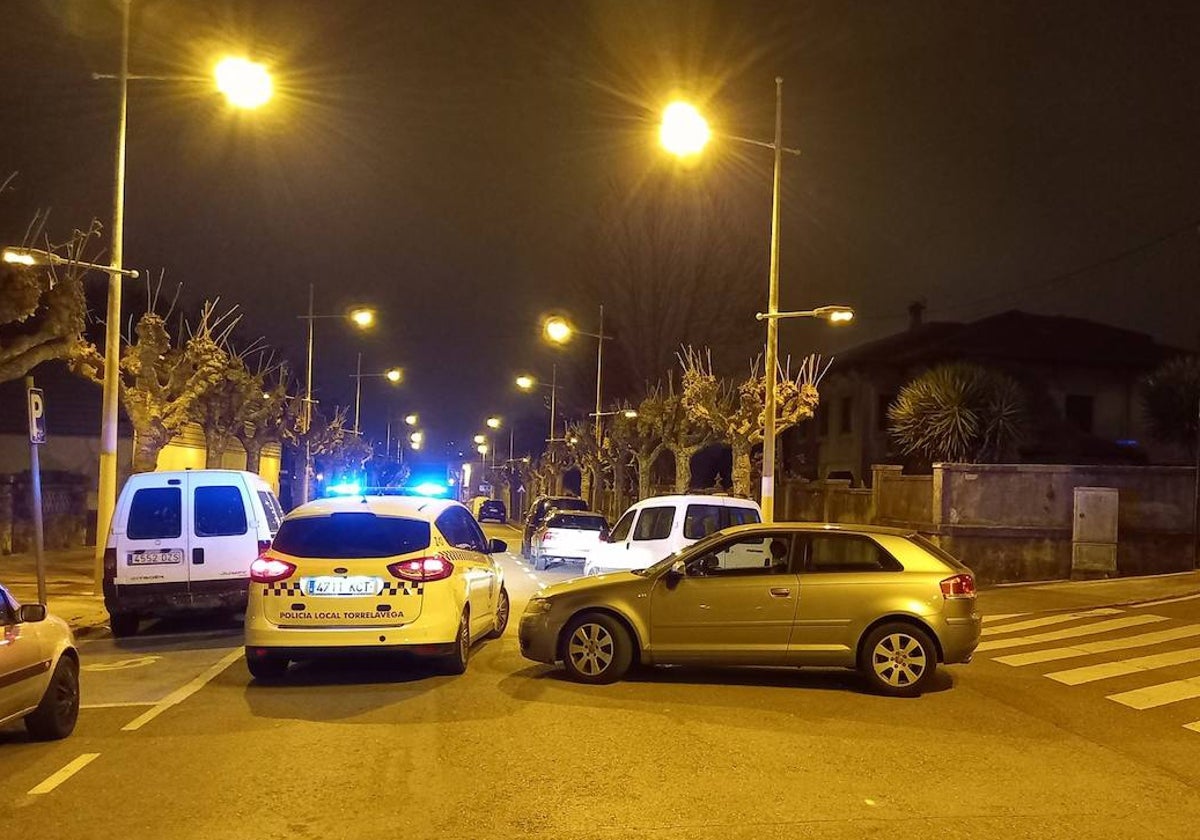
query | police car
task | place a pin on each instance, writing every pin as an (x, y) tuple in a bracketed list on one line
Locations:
[(374, 572)]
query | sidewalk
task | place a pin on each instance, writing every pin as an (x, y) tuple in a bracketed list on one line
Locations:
[(68, 587)]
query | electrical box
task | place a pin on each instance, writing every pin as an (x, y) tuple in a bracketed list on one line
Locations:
[(1094, 532)]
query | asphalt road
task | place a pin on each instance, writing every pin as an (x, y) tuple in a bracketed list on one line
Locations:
[(1066, 725)]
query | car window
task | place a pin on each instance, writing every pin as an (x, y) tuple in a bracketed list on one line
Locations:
[(155, 513), (620, 531), (848, 553), (219, 511), (348, 536), (577, 521), (743, 516), (701, 520), (939, 552), (654, 523), (8, 608), (756, 555), (270, 509), (460, 530)]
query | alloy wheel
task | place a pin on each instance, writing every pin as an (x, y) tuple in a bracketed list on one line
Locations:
[(899, 660), (591, 649)]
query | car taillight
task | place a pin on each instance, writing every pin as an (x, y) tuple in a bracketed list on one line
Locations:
[(269, 569), (959, 586), (263, 547), (422, 569), (110, 563)]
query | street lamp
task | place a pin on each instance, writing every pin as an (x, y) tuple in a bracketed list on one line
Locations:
[(834, 314), (393, 375), (684, 132), (527, 383), (34, 256), (235, 83), (493, 422), (559, 331), (479, 439), (410, 420)]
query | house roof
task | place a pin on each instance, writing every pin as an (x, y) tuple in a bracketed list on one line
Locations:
[(1013, 337)]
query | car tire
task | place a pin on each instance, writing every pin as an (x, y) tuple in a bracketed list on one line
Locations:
[(266, 668), (503, 610), (55, 716), (898, 660), (597, 649), (540, 561), (123, 624), (456, 662)]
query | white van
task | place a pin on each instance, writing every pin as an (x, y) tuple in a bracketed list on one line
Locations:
[(184, 541), (655, 527)]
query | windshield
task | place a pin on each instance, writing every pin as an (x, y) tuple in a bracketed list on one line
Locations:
[(665, 563)]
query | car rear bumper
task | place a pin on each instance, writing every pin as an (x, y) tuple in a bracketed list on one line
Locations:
[(172, 598), (959, 638), (303, 652), (422, 632)]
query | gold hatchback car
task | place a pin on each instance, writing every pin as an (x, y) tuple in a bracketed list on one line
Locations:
[(883, 600)]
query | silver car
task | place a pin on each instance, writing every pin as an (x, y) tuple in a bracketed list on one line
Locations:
[(39, 670), (882, 600)]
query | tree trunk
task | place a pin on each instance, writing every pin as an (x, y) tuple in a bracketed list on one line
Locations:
[(683, 468), (597, 477), (741, 469), (254, 450), (215, 444), (585, 485), (644, 465), (620, 478), (146, 447)]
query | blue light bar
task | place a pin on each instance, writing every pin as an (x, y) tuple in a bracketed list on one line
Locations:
[(429, 488), (346, 488)]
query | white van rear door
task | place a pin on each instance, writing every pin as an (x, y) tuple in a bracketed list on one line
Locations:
[(151, 540), (223, 539)]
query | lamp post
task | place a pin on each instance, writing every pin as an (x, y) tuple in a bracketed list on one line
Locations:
[(527, 383), (685, 132), (559, 331), (393, 375), (245, 85)]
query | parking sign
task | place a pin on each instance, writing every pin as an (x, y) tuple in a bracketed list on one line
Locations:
[(37, 416)]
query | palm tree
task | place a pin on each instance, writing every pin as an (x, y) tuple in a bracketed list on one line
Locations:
[(959, 412), (1171, 400)]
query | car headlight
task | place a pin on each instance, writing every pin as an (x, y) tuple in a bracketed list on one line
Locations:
[(539, 605)]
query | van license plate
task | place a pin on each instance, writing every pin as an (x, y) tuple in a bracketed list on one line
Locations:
[(353, 585), (156, 558)]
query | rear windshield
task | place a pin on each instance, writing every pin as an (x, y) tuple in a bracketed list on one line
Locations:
[(577, 521), (156, 513), (346, 536), (567, 504), (938, 552)]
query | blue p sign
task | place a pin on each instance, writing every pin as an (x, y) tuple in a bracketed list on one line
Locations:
[(37, 416)]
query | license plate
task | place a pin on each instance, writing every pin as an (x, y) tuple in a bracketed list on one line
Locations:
[(353, 585), (156, 558)]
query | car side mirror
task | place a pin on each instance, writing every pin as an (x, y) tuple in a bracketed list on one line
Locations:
[(675, 573), (31, 613), (497, 546)]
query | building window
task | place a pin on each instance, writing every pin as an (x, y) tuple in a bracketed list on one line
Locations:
[(847, 418), (881, 418), (1079, 410)]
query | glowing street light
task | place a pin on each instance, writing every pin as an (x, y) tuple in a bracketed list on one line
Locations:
[(557, 329), (630, 414), (482, 449), (493, 422), (362, 317), (525, 383), (410, 419), (393, 374), (479, 439), (684, 131), (245, 83), (417, 438), (835, 314)]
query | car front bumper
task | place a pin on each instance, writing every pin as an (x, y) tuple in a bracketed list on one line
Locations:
[(538, 637)]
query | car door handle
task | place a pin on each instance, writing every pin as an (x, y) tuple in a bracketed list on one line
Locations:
[(197, 556), (780, 592)]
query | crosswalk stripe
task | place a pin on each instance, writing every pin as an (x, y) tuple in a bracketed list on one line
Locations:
[(1035, 657), (1124, 667), (987, 619), (1159, 695), (1195, 727), (1093, 629), (1046, 621)]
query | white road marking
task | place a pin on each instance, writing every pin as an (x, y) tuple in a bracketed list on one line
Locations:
[(57, 778), (1046, 621), (1195, 727), (1159, 695), (1001, 617), (183, 692), (122, 664), (1093, 629), (1165, 601), (115, 705), (1089, 648), (1124, 667)]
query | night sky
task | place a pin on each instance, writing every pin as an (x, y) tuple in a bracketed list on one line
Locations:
[(448, 162)]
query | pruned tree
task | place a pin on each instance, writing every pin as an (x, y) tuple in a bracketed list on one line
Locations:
[(549, 468), (959, 412), (673, 264), (684, 433), (735, 411), (162, 383), (643, 436), (42, 307), (1171, 400), (588, 456), (334, 444), (270, 414)]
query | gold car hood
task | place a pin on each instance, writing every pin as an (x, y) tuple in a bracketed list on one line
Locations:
[(595, 583)]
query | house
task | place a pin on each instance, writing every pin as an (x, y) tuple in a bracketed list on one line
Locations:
[(1081, 379)]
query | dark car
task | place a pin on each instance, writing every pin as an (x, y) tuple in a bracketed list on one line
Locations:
[(493, 509), (538, 511)]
